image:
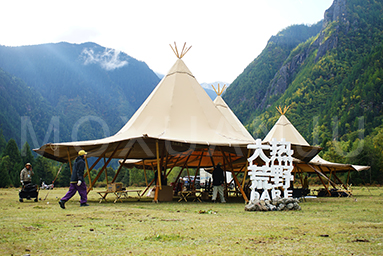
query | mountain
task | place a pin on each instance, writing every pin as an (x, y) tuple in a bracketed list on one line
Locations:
[(247, 93), (332, 80), (81, 91)]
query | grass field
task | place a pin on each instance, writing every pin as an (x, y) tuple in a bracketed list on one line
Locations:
[(324, 226)]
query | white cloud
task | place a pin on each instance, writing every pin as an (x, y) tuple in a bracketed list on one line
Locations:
[(108, 60)]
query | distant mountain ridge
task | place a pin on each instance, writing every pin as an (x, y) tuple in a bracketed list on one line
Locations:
[(78, 80)]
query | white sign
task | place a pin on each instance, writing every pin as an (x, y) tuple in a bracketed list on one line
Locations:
[(276, 171)]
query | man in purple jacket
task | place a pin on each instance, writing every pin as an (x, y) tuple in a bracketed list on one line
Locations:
[(77, 182)]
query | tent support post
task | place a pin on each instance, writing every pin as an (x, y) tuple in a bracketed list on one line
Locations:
[(146, 176), (235, 177), (104, 167), (247, 165), (211, 157), (147, 187), (319, 173), (69, 161), (183, 167), (336, 176), (87, 170), (93, 165), (158, 187), (120, 167), (333, 184)]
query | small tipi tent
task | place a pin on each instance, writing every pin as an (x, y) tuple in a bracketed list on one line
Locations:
[(283, 128)]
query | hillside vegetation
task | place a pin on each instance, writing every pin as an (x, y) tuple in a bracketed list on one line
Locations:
[(65, 92), (332, 81)]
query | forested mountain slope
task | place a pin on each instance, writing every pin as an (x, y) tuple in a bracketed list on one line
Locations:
[(333, 83), (81, 91)]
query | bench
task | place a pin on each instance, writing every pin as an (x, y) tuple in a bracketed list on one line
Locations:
[(119, 194)]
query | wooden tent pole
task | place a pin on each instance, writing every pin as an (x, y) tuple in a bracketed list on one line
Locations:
[(106, 173), (146, 176), (319, 175), (158, 187), (197, 170), (69, 161), (87, 169), (120, 167), (336, 176), (333, 184), (247, 167), (93, 165), (103, 168), (235, 177), (211, 157), (183, 167)]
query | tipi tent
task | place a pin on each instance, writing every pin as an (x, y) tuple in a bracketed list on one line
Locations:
[(177, 124), (324, 169)]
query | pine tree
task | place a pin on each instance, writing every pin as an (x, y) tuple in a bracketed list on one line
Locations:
[(3, 142), (5, 165), (16, 163)]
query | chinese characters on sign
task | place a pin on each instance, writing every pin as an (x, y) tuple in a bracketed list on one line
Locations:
[(276, 171)]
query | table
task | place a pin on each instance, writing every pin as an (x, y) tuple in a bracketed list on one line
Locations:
[(186, 194), (119, 194)]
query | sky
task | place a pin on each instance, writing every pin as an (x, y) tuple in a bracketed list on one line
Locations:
[(225, 36)]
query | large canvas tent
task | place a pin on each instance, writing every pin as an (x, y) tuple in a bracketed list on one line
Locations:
[(177, 125), (326, 171)]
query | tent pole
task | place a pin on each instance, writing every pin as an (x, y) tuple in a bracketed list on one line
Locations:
[(211, 157), (146, 177), (197, 170), (106, 173), (120, 167), (330, 181), (93, 165), (103, 168), (235, 178), (158, 187), (183, 167), (247, 166), (336, 176), (69, 161), (320, 173), (87, 170)]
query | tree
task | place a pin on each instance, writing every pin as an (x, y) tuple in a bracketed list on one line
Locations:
[(3, 142), (63, 178), (43, 170), (5, 165), (26, 154), (16, 164)]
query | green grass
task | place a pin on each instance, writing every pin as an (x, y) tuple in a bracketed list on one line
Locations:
[(324, 226)]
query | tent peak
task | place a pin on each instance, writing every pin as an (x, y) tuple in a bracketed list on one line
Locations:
[(282, 112), (219, 91), (183, 52)]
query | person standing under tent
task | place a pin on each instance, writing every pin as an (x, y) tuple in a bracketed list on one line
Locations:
[(218, 183), (77, 182)]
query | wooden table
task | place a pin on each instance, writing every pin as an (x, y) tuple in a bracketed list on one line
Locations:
[(119, 194), (184, 195)]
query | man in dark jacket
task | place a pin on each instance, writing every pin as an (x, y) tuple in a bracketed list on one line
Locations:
[(77, 182), (218, 183)]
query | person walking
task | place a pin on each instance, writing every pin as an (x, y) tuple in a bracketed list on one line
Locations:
[(77, 182), (218, 183)]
